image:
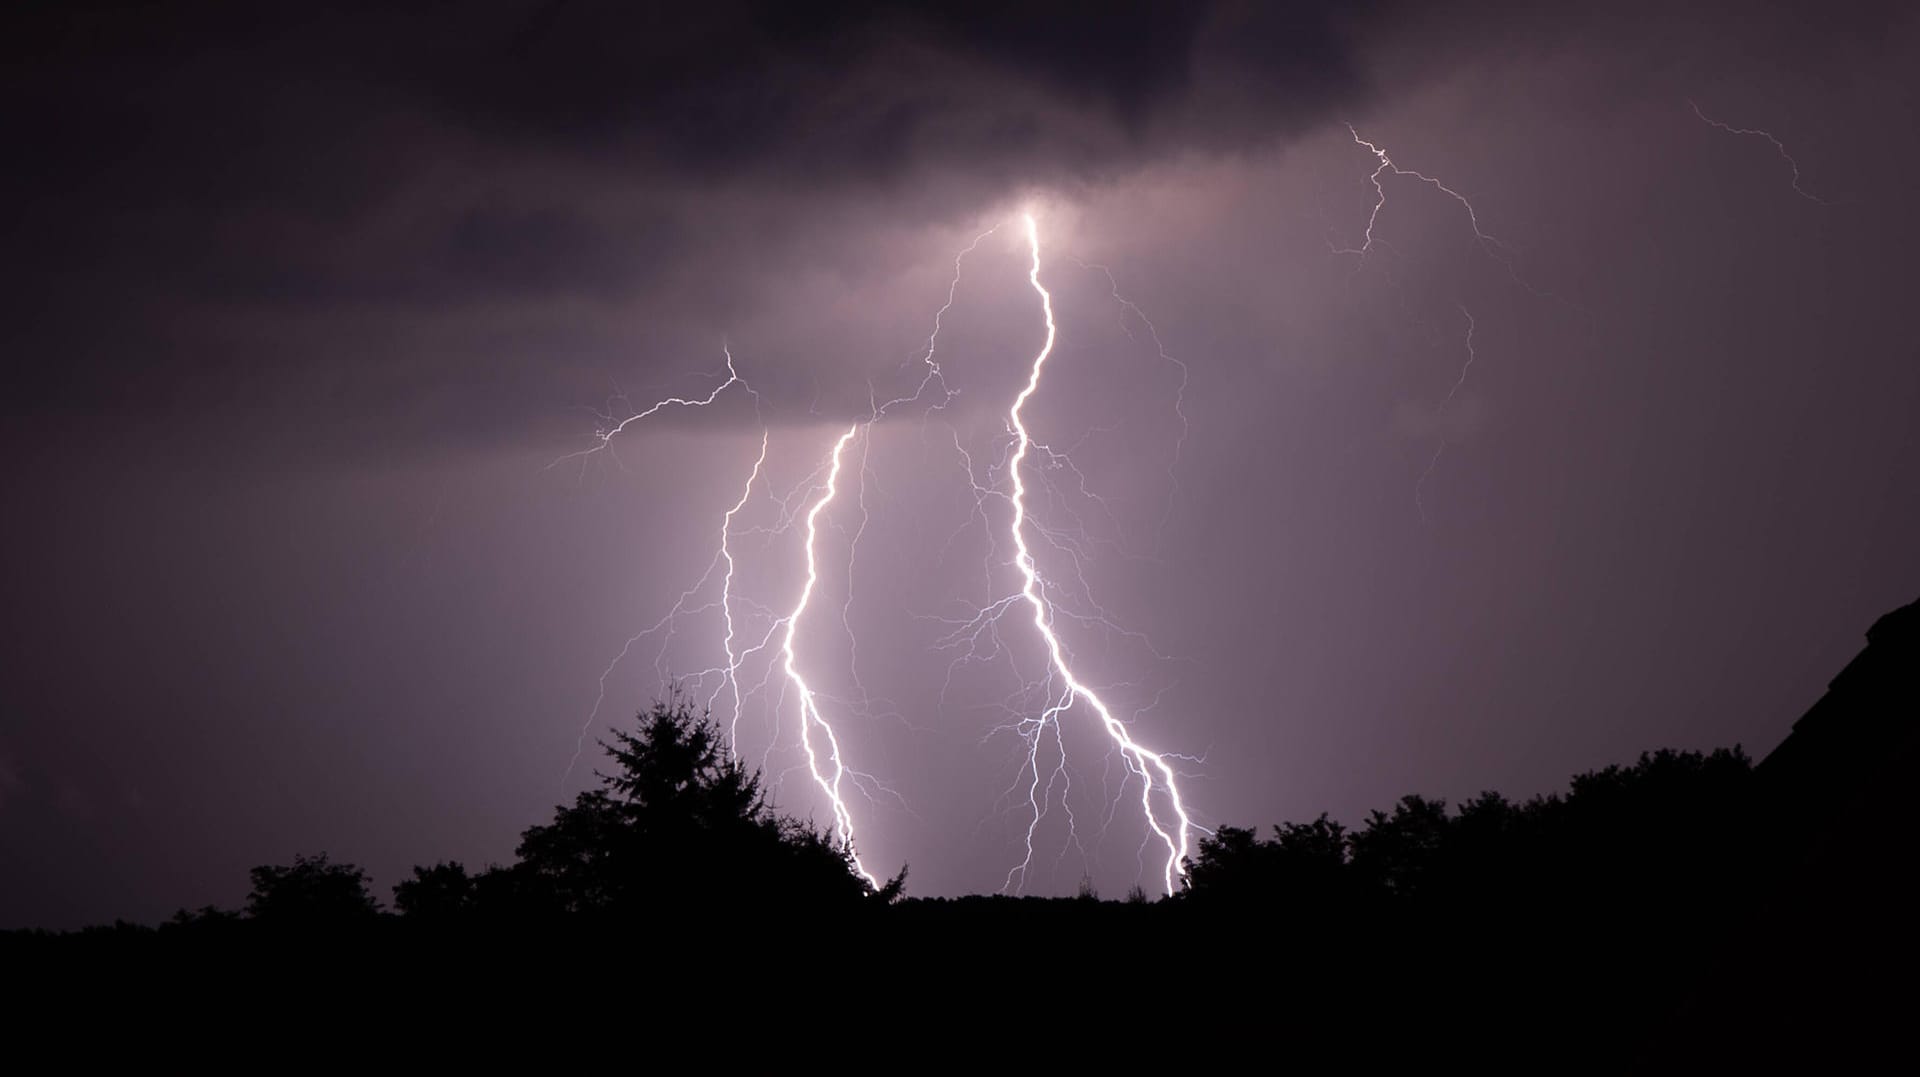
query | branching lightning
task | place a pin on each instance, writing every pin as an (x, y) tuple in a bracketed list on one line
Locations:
[(603, 440), (809, 710), (1042, 494), (610, 429), (808, 507), (1145, 764), (1495, 249), (732, 680), (1003, 484), (1491, 246)]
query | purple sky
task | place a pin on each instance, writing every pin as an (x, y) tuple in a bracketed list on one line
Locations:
[(301, 313)]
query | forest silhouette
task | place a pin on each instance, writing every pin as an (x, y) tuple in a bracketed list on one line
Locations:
[(1686, 908)]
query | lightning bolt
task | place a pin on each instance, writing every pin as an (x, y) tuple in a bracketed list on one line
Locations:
[(1042, 702), (1778, 147), (811, 503), (1142, 762), (809, 710), (726, 600)]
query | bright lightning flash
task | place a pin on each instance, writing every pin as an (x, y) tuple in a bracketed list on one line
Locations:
[(804, 507), (809, 711), (1151, 767), (732, 679)]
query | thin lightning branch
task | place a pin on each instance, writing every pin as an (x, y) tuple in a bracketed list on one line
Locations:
[(1386, 165), (606, 434), (933, 373), (1778, 148), (809, 711), (1128, 306), (1491, 246), (1494, 248), (1144, 762), (668, 622), (1439, 413), (726, 600), (1467, 366), (602, 439), (853, 560), (877, 411)]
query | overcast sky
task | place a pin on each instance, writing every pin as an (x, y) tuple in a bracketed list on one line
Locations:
[(302, 308)]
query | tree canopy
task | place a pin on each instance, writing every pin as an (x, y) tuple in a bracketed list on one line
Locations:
[(676, 821), (310, 892), (1670, 819)]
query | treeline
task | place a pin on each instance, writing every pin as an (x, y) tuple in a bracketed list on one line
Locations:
[(676, 823), (1670, 823), (1604, 912)]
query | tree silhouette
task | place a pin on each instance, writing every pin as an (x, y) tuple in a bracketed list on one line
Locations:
[(676, 821), (311, 892), (1304, 863), (441, 892), (1397, 853)]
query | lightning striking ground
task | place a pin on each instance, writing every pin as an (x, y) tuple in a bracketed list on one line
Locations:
[(809, 710), (1047, 693), (1144, 763), (810, 504)]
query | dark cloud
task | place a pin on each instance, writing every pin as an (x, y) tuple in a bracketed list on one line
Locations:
[(873, 93), (352, 173), (221, 107), (181, 164)]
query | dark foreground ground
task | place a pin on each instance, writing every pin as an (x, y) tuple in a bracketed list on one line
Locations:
[(1805, 980)]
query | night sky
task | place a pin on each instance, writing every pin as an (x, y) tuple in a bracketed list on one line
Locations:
[(304, 307)]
